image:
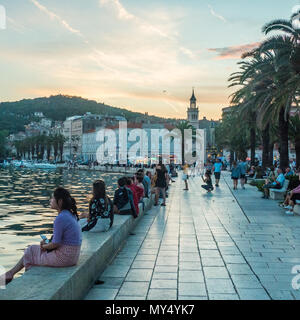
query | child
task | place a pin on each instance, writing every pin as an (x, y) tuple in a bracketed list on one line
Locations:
[(209, 187)]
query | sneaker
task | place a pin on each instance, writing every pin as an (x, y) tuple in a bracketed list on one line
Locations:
[(288, 207), (289, 212)]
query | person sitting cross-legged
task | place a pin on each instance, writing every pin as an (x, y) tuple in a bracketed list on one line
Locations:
[(277, 184)]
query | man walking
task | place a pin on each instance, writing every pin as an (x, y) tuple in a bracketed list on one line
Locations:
[(217, 167)]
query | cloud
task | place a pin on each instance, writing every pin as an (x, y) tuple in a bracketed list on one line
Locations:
[(212, 11), (130, 65), (148, 28), (123, 14), (16, 26), (54, 16), (233, 52)]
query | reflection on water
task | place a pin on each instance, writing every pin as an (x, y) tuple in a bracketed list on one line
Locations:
[(24, 204)]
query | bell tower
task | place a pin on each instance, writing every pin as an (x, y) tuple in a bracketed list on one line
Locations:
[(193, 112)]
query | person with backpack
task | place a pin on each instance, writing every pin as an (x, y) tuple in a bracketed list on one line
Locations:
[(100, 217), (123, 199)]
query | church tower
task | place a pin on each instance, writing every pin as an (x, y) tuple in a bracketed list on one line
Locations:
[(193, 112)]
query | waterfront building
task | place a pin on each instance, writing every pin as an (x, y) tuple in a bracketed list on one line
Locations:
[(75, 127), (150, 151)]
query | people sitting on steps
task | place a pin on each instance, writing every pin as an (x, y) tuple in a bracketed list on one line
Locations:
[(100, 217), (64, 248), (123, 199), (291, 198), (277, 184)]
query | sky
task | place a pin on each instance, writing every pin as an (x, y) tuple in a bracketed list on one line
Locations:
[(144, 56)]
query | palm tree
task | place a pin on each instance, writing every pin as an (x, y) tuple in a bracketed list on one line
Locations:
[(230, 134), (61, 141), (55, 146), (17, 145), (34, 151), (49, 143), (271, 84), (183, 125), (255, 93), (42, 140), (286, 50)]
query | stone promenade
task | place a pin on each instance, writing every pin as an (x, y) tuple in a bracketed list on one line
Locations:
[(225, 245)]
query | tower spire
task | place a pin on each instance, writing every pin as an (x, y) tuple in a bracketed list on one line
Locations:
[(193, 100)]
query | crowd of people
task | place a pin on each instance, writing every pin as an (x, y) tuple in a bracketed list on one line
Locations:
[(63, 249)]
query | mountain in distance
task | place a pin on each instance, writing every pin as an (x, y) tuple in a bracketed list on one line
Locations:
[(14, 115)]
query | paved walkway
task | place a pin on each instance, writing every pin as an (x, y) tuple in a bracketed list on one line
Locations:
[(225, 245)]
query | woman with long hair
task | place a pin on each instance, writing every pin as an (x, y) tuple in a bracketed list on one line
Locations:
[(64, 248), (100, 217)]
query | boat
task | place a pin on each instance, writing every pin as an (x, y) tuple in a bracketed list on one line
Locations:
[(27, 164), (44, 166)]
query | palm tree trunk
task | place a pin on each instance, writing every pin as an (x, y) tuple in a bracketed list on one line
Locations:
[(182, 150), (266, 143), (271, 156), (231, 157), (297, 149), (252, 145), (284, 139)]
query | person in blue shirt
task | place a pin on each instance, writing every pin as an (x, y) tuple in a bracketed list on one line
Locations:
[(277, 184), (235, 174), (217, 167), (288, 172), (243, 167)]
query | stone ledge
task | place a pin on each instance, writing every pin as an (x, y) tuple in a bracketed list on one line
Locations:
[(72, 283)]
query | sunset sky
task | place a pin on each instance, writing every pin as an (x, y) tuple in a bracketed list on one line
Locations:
[(142, 55)]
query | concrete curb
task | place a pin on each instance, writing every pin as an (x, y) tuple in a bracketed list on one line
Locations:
[(73, 283)]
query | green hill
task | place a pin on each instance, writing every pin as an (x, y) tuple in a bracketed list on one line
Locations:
[(14, 115)]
